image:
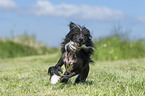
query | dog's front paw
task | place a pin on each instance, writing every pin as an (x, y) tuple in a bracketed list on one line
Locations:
[(64, 79), (54, 79)]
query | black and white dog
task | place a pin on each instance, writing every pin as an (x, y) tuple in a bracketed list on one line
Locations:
[(76, 49)]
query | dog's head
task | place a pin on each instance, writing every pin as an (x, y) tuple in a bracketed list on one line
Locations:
[(78, 34)]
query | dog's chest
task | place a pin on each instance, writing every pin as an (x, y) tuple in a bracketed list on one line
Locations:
[(71, 61)]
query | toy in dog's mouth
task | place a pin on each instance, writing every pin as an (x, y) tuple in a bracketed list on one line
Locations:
[(75, 46)]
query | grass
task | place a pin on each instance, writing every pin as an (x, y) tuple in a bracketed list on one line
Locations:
[(28, 76), (113, 48)]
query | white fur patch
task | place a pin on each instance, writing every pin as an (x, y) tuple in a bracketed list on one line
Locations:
[(54, 79)]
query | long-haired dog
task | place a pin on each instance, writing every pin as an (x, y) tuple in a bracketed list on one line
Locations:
[(76, 49)]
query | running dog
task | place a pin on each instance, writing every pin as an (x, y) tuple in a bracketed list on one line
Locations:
[(76, 48)]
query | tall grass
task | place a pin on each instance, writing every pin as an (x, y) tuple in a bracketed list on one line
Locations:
[(118, 46), (113, 48)]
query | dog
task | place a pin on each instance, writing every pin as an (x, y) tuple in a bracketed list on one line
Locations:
[(76, 48)]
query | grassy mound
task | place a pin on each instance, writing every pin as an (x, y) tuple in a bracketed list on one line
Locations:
[(10, 49)]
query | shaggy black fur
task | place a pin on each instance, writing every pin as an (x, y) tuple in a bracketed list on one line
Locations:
[(76, 61)]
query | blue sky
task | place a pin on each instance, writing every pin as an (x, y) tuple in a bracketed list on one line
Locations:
[(49, 19)]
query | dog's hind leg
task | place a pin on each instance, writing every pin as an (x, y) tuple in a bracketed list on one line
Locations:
[(78, 79), (83, 75)]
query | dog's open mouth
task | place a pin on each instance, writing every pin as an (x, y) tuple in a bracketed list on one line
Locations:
[(80, 44)]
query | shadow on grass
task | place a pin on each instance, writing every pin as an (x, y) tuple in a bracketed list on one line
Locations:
[(88, 82), (84, 83)]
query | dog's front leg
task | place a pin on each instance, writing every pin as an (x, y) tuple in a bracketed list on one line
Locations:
[(59, 64), (64, 78)]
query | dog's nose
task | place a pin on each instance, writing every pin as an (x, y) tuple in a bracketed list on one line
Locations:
[(81, 39)]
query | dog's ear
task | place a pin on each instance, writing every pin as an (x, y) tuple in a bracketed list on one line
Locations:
[(72, 25)]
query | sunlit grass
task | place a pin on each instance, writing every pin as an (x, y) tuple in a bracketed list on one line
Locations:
[(28, 76)]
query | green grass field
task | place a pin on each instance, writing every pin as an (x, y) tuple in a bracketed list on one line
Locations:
[(28, 76)]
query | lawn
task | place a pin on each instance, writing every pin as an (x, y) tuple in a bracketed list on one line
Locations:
[(28, 76)]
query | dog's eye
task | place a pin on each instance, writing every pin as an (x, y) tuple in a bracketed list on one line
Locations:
[(85, 37), (74, 36)]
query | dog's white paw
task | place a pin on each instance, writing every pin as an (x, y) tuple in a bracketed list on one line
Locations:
[(54, 79)]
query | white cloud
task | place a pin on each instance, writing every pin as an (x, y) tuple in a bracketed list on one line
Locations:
[(141, 19), (46, 8), (7, 4)]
